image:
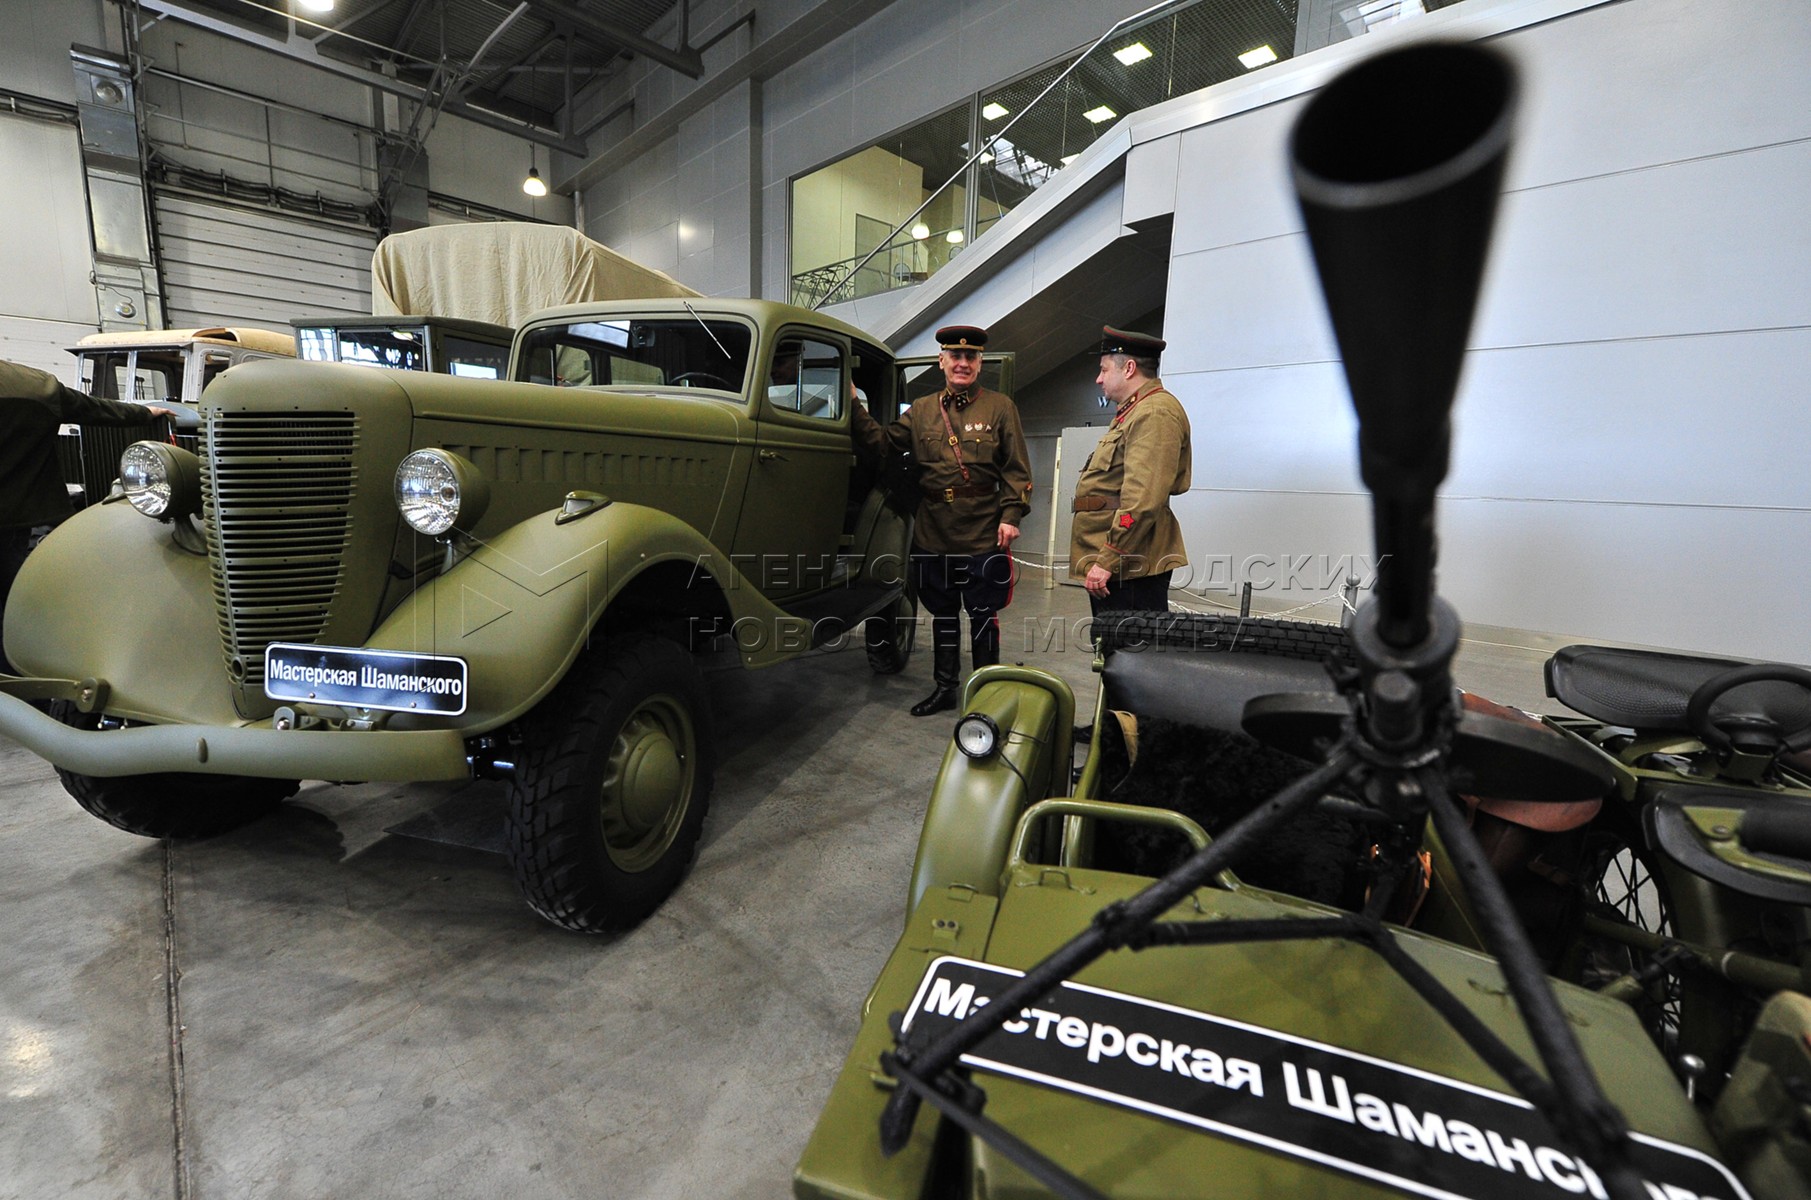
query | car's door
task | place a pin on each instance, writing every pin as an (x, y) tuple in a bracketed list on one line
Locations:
[(790, 532)]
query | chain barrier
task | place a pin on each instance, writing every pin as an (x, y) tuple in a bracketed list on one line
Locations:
[(1336, 598)]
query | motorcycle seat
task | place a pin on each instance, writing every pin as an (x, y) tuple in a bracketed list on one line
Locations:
[(1641, 689), (1650, 691)]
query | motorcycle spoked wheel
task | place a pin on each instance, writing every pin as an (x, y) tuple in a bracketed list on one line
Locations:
[(1619, 882)]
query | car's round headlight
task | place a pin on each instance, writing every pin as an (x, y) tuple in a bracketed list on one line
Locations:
[(977, 736), (438, 492), (161, 480)]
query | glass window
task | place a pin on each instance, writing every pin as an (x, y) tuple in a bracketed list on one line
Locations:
[(472, 359), (115, 376), (1028, 129), (396, 349), (807, 378), (314, 344), (639, 351), (849, 208)]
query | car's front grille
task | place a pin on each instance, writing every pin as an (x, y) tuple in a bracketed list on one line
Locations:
[(278, 491)]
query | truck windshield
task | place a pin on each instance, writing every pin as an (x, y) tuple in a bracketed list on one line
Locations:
[(145, 378), (666, 351)]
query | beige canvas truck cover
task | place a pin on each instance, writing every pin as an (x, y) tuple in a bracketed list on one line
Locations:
[(501, 271)]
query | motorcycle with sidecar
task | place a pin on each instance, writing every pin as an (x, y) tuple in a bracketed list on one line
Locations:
[(1308, 923)]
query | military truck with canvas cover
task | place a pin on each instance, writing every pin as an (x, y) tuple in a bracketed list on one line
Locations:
[(386, 575), (448, 298)]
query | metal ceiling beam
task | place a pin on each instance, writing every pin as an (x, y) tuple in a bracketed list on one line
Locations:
[(685, 60), (303, 51), (348, 19), (498, 75), (409, 20)]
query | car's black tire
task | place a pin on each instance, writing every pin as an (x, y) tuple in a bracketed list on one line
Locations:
[(612, 785), (169, 805), (888, 637)]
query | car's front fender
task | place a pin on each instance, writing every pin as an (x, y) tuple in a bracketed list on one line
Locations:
[(521, 605)]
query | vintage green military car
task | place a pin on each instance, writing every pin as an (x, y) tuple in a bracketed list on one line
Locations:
[(385, 575)]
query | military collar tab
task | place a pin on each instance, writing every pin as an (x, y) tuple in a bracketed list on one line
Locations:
[(960, 399)]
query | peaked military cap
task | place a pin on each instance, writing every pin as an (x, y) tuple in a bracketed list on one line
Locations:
[(962, 337), (1138, 345)]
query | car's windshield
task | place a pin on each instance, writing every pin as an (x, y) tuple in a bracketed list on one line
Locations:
[(681, 351)]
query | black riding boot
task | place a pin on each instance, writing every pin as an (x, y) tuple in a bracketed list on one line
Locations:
[(984, 644), (946, 669)]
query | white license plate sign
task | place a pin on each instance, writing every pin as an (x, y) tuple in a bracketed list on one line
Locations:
[(1416, 1132), (377, 679)]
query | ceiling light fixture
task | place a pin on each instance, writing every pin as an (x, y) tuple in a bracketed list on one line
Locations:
[(1137, 52), (994, 110), (1099, 114), (1262, 56), (534, 185), (315, 6), (920, 231), (953, 237)]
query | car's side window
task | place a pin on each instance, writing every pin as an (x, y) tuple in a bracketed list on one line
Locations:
[(474, 359), (807, 378)]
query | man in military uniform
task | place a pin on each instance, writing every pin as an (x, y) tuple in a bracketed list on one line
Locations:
[(1126, 542), (33, 407), (976, 489)]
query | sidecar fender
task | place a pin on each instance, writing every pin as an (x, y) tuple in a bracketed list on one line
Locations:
[(976, 803)]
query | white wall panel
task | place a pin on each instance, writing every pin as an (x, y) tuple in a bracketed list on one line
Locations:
[(43, 344), (1243, 305), (1633, 85), (1151, 179), (225, 265), (1709, 420), (1717, 580), (1715, 243), (1625, 466), (1232, 181), (1284, 428), (34, 54), (44, 234)]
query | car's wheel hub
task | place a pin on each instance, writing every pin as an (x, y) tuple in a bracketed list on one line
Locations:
[(652, 781), (647, 783)]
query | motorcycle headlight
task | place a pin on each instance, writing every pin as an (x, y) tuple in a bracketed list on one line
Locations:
[(977, 736), (438, 491), (161, 480)]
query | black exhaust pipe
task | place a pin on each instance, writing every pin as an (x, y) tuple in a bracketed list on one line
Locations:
[(1397, 164)]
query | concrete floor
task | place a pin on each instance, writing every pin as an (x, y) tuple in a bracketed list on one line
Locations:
[(316, 1007)]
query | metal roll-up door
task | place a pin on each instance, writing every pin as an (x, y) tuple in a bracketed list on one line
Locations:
[(233, 265)]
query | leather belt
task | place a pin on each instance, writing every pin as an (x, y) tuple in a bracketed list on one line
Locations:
[(949, 494), (1095, 503)]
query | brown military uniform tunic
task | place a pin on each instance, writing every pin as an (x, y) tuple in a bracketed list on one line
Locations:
[(33, 405), (1123, 520), (960, 515)]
